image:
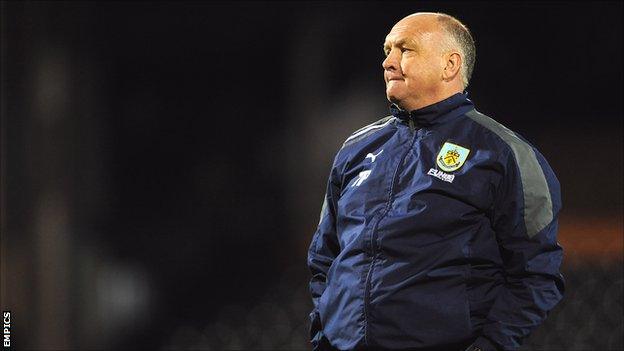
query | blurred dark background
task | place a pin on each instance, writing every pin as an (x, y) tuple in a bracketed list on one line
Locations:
[(163, 164)]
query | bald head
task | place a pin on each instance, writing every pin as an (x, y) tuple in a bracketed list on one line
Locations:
[(429, 57), (455, 36)]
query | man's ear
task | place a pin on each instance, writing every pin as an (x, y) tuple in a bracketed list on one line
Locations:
[(453, 63)]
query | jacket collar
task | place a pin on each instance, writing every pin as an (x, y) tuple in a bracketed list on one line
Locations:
[(440, 112)]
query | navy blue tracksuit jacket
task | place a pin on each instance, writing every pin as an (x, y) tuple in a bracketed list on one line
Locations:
[(438, 231)]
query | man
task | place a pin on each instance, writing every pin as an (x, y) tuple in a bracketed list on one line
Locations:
[(438, 229)]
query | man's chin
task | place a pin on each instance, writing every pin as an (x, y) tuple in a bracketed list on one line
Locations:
[(394, 99)]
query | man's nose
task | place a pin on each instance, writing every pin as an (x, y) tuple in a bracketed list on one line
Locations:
[(391, 61)]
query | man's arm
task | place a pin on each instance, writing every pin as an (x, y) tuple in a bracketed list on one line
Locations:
[(323, 249), (525, 221)]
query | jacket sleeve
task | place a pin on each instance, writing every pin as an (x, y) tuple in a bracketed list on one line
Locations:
[(524, 218), (322, 251)]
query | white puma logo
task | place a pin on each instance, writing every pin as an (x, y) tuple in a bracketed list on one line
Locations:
[(372, 156)]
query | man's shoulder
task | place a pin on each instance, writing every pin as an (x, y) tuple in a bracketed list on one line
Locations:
[(368, 130), (362, 139), (499, 133), (523, 153)]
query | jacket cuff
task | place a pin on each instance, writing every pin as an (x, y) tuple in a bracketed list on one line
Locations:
[(483, 344)]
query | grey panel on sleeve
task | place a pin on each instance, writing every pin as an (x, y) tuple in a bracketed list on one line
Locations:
[(538, 212), (323, 210)]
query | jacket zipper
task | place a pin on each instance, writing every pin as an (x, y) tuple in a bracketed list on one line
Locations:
[(367, 286)]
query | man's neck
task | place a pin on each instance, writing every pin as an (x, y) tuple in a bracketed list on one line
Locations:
[(427, 100)]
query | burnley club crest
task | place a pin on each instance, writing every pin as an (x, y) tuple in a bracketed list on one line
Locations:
[(451, 157)]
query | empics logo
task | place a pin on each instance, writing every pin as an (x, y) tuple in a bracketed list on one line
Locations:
[(6, 330), (451, 157)]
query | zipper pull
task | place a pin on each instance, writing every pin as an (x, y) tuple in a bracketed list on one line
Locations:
[(411, 125)]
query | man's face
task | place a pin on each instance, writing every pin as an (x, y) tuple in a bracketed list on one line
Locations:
[(414, 62)]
